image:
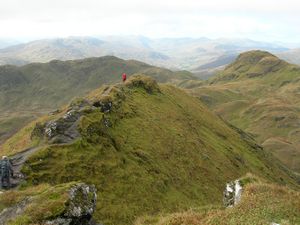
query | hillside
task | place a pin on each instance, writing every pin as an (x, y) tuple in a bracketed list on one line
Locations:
[(29, 91), (147, 148), (259, 93), (261, 203)]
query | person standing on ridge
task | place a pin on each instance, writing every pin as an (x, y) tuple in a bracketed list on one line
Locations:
[(6, 172), (124, 77)]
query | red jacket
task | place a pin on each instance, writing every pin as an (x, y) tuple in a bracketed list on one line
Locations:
[(124, 76)]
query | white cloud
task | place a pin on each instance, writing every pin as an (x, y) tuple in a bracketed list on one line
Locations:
[(274, 20)]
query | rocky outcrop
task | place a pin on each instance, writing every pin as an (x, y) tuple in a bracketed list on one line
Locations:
[(77, 208), (82, 201), (232, 193), (65, 128)]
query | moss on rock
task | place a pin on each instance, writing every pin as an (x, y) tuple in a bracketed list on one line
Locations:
[(44, 203)]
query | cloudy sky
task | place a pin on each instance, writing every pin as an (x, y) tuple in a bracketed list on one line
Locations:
[(265, 20)]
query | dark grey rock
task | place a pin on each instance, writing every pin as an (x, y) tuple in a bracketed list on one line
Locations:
[(105, 106)]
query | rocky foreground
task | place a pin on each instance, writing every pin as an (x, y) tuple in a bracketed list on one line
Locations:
[(67, 204)]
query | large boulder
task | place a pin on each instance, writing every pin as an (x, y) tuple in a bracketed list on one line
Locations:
[(79, 208), (82, 202)]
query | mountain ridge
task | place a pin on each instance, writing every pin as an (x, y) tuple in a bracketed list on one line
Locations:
[(151, 148), (39, 88), (259, 94)]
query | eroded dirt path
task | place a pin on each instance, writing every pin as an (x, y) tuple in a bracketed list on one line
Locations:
[(18, 161)]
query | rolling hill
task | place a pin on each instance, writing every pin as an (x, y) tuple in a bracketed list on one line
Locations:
[(76, 48), (173, 53), (259, 93), (147, 148), (29, 91)]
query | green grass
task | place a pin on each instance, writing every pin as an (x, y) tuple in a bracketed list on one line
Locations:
[(38, 88), (259, 94), (163, 152), (261, 204), (10, 124)]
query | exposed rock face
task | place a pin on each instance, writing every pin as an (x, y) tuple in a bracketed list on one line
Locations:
[(232, 193), (65, 128), (79, 208), (82, 201)]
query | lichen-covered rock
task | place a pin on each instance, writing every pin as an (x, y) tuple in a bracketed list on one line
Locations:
[(50, 129), (64, 129), (232, 193), (79, 207), (63, 204), (82, 201)]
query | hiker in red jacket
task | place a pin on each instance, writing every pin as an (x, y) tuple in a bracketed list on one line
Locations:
[(124, 77)]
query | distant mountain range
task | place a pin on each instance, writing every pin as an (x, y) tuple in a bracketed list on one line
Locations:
[(194, 54), (4, 42), (292, 56)]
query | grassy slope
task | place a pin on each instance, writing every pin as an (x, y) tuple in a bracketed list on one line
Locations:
[(41, 87), (164, 152), (262, 203), (11, 124), (260, 94), (48, 85)]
